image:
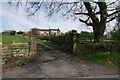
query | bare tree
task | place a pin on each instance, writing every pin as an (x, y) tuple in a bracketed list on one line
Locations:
[(94, 14)]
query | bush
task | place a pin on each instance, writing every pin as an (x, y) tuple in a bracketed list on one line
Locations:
[(93, 48), (11, 32), (44, 38), (60, 40), (20, 32)]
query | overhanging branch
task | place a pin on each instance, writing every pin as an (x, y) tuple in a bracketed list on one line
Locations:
[(111, 19), (91, 13), (86, 22), (81, 14), (114, 13)]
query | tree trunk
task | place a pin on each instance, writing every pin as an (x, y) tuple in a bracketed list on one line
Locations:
[(98, 34), (98, 25), (98, 37)]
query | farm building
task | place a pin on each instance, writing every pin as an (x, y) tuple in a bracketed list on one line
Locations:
[(46, 32)]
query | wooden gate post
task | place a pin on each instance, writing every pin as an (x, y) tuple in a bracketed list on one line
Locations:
[(32, 46), (74, 40)]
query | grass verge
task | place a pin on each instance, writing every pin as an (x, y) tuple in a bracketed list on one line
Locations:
[(104, 58)]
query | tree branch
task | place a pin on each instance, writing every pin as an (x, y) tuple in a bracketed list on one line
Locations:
[(86, 22), (36, 9), (69, 10), (91, 14), (103, 12), (81, 13), (111, 19), (114, 13), (112, 3)]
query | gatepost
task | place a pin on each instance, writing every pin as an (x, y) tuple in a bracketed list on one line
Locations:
[(32, 46), (74, 41)]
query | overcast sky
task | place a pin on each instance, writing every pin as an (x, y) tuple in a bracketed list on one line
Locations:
[(18, 20), (13, 19)]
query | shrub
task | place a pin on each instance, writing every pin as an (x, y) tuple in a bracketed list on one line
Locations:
[(11, 32), (61, 42), (20, 32), (60, 39), (44, 38), (93, 48)]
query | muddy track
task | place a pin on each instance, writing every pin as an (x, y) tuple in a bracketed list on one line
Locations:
[(52, 63)]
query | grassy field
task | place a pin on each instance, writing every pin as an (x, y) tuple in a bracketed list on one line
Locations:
[(8, 39)]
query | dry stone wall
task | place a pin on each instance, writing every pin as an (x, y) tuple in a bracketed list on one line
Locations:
[(14, 53), (16, 49)]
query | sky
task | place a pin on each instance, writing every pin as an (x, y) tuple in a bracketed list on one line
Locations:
[(17, 19), (13, 19)]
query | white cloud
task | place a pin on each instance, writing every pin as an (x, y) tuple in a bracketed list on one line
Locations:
[(18, 21)]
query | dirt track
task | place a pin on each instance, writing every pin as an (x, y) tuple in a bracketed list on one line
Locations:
[(55, 64)]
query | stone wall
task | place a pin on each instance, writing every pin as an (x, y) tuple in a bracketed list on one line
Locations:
[(16, 49), (14, 54)]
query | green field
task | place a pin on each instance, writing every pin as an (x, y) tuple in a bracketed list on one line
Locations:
[(8, 39)]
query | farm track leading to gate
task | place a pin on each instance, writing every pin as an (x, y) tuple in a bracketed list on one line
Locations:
[(51, 63)]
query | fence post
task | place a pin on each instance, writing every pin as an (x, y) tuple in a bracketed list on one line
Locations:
[(32, 46), (74, 40)]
